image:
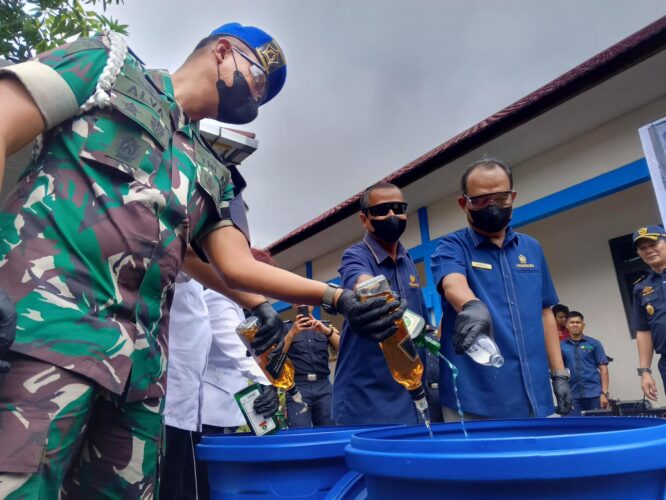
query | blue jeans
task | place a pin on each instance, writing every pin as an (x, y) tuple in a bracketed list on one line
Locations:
[(318, 397), (582, 404)]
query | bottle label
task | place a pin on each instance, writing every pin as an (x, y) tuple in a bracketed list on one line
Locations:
[(258, 423), (276, 364), (407, 346)]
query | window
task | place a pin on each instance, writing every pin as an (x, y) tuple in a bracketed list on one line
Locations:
[(628, 269)]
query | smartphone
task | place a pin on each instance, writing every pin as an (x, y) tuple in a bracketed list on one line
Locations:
[(304, 311)]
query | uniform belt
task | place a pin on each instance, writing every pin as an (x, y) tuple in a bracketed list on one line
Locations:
[(310, 377)]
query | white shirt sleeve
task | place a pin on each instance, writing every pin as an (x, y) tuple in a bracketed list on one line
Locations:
[(225, 315)]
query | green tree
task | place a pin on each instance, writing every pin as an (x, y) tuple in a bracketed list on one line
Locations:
[(30, 27)]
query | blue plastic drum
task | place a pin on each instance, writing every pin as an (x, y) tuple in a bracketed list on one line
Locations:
[(556, 458), (298, 463)]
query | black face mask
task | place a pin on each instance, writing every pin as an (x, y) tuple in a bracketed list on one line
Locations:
[(236, 104), (389, 229), (491, 219)]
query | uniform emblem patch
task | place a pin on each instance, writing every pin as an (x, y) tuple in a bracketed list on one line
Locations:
[(522, 262), (649, 309)]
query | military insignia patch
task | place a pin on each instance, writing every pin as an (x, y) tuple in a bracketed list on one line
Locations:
[(649, 309), (647, 291), (271, 56), (642, 231), (413, 282)]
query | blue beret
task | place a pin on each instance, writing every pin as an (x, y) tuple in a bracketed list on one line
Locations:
[(267, 50), (653, 233)]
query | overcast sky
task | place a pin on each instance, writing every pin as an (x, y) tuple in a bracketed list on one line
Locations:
[(372, 84)]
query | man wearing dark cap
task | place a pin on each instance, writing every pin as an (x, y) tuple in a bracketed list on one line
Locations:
[(648, 313), (93, 236)]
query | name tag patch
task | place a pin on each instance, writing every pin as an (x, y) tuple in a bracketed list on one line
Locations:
[(481, 265)]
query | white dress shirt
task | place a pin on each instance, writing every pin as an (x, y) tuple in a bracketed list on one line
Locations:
[(228, 368), (189, 342)]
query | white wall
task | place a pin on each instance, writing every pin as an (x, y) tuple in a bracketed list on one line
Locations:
[(576, 246)]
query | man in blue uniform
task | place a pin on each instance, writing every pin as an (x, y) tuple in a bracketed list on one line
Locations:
[(307, 342), (648, 315), (495, 281), (364, 391), (587, 363)]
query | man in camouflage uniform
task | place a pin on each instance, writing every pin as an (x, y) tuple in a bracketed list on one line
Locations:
[(93, 236)]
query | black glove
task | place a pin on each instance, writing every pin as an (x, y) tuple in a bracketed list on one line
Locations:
[(7, 329), (271, 330), (375, 318), (268, 403), (472, 321), (562, 393)]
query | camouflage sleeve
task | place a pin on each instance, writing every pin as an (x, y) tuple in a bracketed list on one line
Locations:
[(213, 219), (63, 78)]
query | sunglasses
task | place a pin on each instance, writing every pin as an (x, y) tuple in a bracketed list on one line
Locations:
[(502, 199), (258, 73), (398, 208)]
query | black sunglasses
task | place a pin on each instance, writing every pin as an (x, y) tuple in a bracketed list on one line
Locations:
[(381, 209)]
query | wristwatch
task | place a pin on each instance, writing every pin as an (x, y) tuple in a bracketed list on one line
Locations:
[(330, 333), (641, 371), (327, 301)]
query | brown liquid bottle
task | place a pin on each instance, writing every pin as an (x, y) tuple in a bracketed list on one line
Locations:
[(280, 371), (399, 350)]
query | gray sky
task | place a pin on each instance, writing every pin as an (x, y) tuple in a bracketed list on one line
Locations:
[(372, 84)]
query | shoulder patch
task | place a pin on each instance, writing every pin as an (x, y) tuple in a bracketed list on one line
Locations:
[(84, 44)]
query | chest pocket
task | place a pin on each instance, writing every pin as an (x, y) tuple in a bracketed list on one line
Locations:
[(213, 177), (651, 301), (132, 136)]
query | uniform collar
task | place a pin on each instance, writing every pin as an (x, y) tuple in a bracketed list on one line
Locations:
[(479, 239), (582, 339), (378, 252), (161, 79)]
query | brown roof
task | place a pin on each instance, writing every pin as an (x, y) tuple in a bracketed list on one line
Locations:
[(621, 56)]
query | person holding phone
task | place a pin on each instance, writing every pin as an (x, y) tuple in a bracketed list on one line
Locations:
[(307, 342)]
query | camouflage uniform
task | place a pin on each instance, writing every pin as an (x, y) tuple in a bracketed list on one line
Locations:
[(92, 238)]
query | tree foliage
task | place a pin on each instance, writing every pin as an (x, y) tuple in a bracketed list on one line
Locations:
[(30, 27)]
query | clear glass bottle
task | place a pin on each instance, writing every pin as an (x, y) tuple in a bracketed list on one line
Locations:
[(484, 351), (399, 350)]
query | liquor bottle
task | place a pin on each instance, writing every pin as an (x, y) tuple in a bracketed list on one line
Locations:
[(399, 351), (257, 423), (277, 367), (484, 351)]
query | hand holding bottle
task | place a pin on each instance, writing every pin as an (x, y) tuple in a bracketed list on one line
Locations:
[(473, 320), (271, 329), (268, 403), (374, 318)]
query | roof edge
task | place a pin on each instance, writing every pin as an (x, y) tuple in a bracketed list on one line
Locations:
[(592, 72)]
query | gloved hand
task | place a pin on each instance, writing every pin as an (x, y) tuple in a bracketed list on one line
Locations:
[(375, 318), (271, 330), (560, 381), (7, 329), (472, 321), (268, 403)]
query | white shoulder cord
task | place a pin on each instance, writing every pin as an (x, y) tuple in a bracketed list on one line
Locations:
[(101, 97), (114, 63)]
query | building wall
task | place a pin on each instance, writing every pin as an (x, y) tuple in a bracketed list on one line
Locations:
[(575, 243)]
